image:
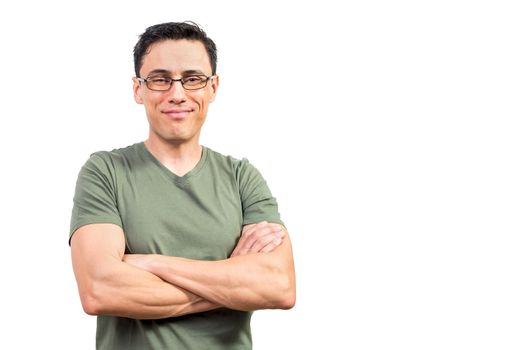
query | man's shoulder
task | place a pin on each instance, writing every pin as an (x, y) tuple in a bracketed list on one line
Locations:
[(227, 160), (241, 168), (118, 152), (113, 158)]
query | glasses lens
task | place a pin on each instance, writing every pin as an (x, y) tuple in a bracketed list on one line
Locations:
[(194, 82), (159, 84)]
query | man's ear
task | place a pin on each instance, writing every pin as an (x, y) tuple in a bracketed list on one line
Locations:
[(137, 91), (214, 87)]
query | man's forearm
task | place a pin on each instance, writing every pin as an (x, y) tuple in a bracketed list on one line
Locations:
[(119, 289), (248, 282), (134, 293), (109, 286)]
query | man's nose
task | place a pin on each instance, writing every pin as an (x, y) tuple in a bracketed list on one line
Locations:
[(177, 91)]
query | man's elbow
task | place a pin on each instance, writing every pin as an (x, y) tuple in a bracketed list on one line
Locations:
[(288, 302), (92, 302), (287, 294), (90, 305)]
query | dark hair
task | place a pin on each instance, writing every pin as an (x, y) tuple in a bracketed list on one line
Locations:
[(173, 31)]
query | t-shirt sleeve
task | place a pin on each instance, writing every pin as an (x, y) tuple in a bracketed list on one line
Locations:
[(95, 200), (258, 204)]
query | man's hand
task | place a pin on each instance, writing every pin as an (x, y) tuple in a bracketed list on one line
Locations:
[(263, 237)]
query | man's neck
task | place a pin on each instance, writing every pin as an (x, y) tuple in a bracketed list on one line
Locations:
[(178, 158)]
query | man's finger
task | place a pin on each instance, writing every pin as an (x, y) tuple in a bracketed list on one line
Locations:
[(272, 245), (252, 240), (263, 241)]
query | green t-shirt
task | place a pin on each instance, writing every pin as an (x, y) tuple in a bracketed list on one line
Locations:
[(197, 216)]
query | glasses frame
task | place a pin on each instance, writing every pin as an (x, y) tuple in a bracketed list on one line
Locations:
[(172, 81)]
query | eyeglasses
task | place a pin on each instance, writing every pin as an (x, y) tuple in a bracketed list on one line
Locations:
[(191, 82)]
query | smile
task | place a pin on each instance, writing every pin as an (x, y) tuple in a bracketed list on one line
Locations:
[(178, 113)]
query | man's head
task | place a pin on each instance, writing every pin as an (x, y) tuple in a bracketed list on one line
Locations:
[(173, 31), (175, 80)]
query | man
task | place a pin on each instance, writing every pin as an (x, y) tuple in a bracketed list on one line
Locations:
[(174, 245)]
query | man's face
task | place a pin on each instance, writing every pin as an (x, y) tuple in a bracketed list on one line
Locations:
[(176, 115)]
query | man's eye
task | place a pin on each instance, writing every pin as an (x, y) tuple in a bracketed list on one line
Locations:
[(160, 81), (193, 80)]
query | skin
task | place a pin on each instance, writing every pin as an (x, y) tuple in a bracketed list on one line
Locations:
[(260, 271), (247, 282), (176, 116)]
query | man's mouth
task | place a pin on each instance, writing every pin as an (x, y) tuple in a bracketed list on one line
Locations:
[(177, 113)]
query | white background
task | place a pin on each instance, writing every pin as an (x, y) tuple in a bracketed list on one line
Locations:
[(390, 132)]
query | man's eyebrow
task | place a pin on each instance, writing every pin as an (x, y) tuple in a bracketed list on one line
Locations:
[(166, 72), (159, 71), (193, 72)]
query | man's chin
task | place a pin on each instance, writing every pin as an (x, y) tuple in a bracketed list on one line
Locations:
[(177, 139)]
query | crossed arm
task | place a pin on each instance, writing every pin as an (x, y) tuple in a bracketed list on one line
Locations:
[(258, 275)]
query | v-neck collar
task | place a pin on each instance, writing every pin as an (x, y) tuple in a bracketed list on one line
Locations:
[(178, 180)]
